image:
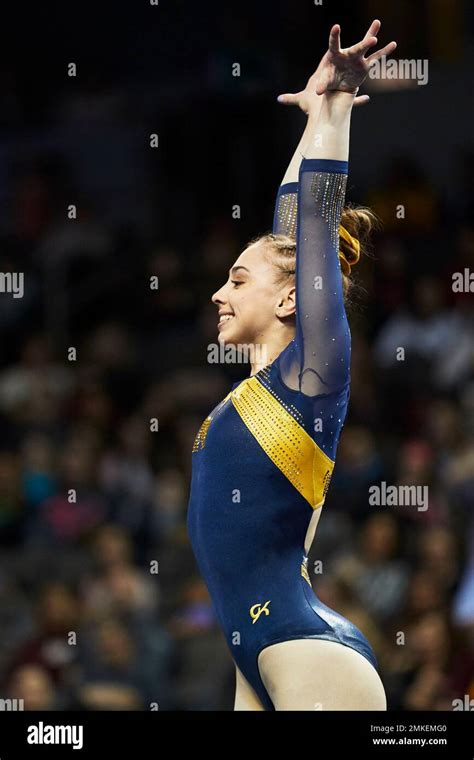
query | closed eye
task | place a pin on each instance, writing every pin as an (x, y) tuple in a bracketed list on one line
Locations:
[(236, 282)]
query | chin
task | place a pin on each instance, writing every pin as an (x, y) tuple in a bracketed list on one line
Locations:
[(229, 338), (226, 340)]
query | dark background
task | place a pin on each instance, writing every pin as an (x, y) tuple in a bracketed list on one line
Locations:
[(85, 620)]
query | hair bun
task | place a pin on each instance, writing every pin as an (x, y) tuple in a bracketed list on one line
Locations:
[(349, 254)]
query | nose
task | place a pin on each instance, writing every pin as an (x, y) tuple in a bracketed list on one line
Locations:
[(218, 297)]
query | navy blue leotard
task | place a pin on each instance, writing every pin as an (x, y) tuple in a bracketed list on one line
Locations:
[(263, 458)]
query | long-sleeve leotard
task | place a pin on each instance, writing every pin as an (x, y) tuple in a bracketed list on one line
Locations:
[(263, 458)]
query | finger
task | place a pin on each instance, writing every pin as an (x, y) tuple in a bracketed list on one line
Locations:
[(321, 87), (361, 100), (387, 50), (335, 39), (361, 47), (373, 29), (289, 98)]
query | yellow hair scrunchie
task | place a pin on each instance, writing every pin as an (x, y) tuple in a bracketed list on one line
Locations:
[(352, 257)]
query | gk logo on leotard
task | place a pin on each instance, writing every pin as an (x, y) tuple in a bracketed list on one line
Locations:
[(257, 609)]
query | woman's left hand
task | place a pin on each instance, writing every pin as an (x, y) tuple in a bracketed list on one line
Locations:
[(308, 99), (339, 70), (346, 68)]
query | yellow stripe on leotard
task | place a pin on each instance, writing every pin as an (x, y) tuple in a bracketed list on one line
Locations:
[(304, 571), (200, 439), (287, 444)]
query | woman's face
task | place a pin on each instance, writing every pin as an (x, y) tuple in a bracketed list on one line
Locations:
[(250, 301)]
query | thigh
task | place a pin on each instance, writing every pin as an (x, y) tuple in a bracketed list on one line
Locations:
[(316, 674), (245, 696)]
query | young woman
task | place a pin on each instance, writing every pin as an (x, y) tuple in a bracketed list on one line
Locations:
[(263, 458)]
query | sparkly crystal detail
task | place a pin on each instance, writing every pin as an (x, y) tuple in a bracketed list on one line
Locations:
[(200, 439), (283, 439), (264, 377), (287, 210), (328, 191), (326, 482), (201, 436), (304, 570)]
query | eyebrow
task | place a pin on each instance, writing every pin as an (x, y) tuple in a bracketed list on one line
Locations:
[(233, 270)]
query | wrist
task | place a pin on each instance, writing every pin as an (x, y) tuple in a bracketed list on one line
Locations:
[(314, 109), (341, 96), (337, 103), (353, 91), (313, 118)]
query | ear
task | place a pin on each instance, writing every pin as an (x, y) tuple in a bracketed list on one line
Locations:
[(286, 306)]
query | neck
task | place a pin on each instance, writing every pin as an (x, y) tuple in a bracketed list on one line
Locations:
[(270, 347)]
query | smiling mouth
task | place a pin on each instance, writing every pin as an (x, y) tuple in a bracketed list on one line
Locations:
[(224, 318)]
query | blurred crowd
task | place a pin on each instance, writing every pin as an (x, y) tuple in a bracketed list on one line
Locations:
[(104, 382), (101, 604)]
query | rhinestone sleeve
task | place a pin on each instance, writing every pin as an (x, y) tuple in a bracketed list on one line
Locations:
[(286, 213), (329, 192)]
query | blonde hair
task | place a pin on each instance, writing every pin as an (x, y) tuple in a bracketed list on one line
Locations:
[(359, 222)]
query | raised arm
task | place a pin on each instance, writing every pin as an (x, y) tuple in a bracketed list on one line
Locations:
[(317, 361), (286, 205), (284, 217), (309, 100), (321, 356)]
